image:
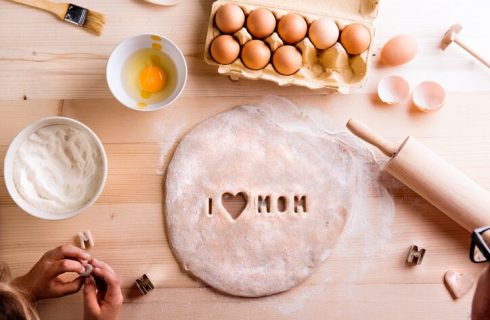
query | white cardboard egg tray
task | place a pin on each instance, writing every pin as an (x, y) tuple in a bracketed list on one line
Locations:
[(332, 68)]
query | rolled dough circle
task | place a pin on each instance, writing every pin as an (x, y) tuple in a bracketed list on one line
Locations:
[(246, 150)]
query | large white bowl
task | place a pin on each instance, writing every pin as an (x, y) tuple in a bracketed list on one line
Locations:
[(121, 54), (164, 2), (12, 151)]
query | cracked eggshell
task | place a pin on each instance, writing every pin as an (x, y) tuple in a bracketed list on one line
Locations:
[(429, 96), (393, 89)]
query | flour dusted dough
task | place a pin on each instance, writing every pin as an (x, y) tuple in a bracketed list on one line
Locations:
[(259, 150)]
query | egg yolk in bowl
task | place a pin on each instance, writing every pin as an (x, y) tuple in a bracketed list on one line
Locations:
[(152, 79), (149, 76)]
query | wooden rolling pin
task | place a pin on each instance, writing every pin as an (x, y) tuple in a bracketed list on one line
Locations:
[(441, 184)]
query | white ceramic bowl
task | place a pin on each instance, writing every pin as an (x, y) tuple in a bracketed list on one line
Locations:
[(164, 2), (12, 151), (124, 50)]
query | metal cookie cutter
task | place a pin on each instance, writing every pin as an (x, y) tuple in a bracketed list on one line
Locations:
[(415, 255), (144, 284)]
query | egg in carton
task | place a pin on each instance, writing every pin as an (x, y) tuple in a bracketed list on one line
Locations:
[(332, 68)]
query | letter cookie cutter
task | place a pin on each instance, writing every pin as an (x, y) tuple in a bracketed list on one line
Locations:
[(415, 255), (144, 284)]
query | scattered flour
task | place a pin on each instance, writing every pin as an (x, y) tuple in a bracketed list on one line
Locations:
[(170, 138), (367, 234)]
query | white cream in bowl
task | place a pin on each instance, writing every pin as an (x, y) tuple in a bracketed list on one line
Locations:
[(55, 168)]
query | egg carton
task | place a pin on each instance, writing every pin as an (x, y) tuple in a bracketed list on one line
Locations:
[(332, 68)]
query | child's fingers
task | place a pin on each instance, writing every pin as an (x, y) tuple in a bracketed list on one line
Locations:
[(101, 264), (104, 266), (90, 295), (71, 287), (68, 251), (65, 265), (114, 294), (110, 278)]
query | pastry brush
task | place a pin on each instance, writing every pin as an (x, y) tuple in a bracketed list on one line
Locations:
[(82, 17)]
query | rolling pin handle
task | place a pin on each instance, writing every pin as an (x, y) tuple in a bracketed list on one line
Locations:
[(366, 134)]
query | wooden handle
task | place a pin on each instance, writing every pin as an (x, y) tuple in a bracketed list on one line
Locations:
[(366, 134), (472, 52), (58, 9), (440, 183)]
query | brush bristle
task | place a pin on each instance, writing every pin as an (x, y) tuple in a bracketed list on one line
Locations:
[(95, 22)]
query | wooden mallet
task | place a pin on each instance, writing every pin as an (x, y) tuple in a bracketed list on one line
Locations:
[(441, 184), (452, 36)]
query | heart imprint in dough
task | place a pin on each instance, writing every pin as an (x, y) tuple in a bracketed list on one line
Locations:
[(234, 203), (458, 284)]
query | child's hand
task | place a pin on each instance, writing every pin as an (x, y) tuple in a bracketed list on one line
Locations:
[(102, 293), (42, 281)]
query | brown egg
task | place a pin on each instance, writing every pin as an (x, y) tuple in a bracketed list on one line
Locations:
[(399, 50), (355, 38), (225, 49), (292, 28), (323, 33), (229, 18), (287, 60), (261, 23), (255, 54)]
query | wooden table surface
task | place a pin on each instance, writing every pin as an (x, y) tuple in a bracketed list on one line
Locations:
[(50, 68)]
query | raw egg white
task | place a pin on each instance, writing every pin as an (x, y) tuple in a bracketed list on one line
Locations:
[(292, 28), (229, 18), (355, 38), (287, 60), (261, 23), (149, 76), (399, 50), (255, 54), (323, 33), (225, 49)]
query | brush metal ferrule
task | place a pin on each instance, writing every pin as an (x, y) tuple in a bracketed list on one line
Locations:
[(76, 15)]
